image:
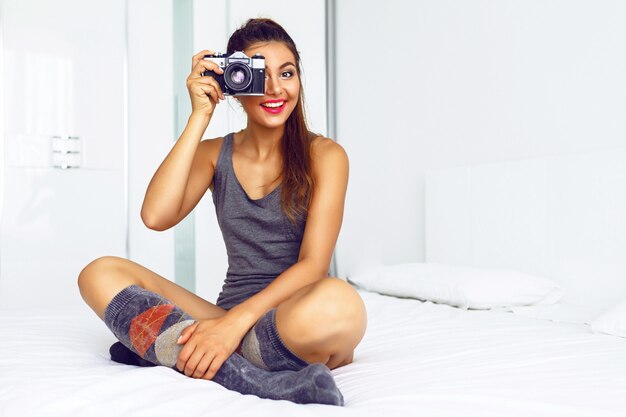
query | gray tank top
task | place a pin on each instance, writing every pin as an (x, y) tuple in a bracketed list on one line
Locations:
[(261, 242)]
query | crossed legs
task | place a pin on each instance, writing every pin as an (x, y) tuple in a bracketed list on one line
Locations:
[(322, 322)]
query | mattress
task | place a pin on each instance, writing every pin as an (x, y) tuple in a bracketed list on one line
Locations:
[(416, 359)]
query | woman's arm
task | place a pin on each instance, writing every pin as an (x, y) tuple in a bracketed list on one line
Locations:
[(330, 171), (186, 173), (183, 177)]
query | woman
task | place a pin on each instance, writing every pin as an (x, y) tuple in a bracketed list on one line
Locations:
[(279, 193)]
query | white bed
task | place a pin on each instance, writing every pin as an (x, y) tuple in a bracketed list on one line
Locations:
[(417, 357)]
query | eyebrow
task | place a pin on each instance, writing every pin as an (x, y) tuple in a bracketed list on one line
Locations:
[(286, 64)]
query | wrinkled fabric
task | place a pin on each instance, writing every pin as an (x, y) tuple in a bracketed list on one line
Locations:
[(149, 325)]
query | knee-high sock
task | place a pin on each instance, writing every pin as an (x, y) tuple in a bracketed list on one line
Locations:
[(263, 347), (149, 325)]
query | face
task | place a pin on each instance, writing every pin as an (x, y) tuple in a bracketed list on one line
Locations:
[(282, 86)]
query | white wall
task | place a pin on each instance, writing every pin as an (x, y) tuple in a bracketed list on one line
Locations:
[(435, 84), (560, 217), (151, 123)]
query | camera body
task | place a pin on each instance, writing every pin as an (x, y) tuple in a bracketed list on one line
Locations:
[(243, 75)]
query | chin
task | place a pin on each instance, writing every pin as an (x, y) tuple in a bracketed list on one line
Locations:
[(275, 124), (272, 122)]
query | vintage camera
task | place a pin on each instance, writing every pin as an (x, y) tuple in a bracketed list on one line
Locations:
[(243, 76)]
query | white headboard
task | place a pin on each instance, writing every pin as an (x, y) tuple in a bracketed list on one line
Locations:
[(562, 217)]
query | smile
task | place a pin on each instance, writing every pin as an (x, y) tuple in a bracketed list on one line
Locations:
[(273, 106)]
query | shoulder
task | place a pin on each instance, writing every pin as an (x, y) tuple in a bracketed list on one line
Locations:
[(323, 149), (328, 157)]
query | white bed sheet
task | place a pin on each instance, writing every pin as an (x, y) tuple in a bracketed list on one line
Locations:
[(561, 312), (417, 359)]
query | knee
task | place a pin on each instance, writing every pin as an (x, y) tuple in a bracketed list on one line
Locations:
[(334, 310), (96, 271), (339, 301)]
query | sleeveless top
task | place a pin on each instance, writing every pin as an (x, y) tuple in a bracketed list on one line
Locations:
[(261, 242)]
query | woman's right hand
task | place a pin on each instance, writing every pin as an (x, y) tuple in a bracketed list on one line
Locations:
[(204, 91)]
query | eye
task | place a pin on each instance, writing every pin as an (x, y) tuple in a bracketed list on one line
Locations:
[(286, 74)]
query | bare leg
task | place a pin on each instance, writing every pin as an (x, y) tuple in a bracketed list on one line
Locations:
[(323, 322), (104, 277)]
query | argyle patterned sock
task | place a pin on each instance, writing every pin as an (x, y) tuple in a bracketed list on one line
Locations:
[(263, 347), (149, 325)]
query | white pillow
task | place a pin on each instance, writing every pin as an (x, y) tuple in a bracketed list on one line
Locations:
[(612, 322), (460, 286)]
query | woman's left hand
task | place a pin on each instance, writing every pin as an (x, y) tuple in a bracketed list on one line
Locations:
[(208, 343)]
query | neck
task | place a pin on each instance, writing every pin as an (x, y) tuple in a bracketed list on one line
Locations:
[(264, 142)]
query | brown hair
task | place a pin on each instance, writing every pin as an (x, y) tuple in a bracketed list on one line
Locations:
[(297, 183)]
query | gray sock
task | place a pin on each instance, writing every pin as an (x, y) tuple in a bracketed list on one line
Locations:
[(150, 325), (263, 347)]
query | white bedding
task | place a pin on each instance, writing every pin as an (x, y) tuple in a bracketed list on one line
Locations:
[(417, 358)]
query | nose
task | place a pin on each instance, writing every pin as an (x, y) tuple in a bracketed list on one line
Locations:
[(272, 86)]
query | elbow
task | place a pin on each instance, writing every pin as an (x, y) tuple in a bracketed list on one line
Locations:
[(152, 222)]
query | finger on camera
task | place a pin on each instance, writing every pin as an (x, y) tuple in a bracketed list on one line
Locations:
[(218, 88), (210, 82), (199, 56), (215, 98), (215, 84), (211, 66), (201, 80), (205, 65), (211, 93)]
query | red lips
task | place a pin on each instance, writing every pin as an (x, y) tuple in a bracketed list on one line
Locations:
[(274, 106)]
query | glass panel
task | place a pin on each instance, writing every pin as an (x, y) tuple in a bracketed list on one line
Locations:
[(64, 138), (184, 232)]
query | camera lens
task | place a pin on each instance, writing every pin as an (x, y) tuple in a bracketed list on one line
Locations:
[(238, 77)]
